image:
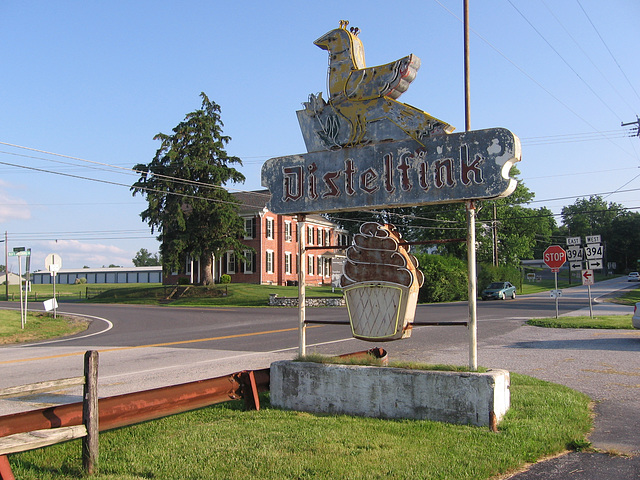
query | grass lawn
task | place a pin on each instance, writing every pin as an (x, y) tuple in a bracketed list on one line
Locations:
[(224, 441), (39, 326), (605, 321), (229, 295), (628, 298)]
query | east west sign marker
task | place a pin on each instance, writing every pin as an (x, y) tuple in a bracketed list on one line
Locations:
[(443, 168)]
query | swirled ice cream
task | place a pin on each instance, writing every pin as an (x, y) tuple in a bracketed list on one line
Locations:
[(378, 256), (381, 282)]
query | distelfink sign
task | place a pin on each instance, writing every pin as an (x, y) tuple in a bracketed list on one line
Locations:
[(367, 150)]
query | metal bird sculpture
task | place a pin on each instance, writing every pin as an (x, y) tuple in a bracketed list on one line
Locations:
[(363, 106)]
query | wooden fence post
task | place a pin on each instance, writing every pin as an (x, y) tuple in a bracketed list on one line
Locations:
[(90, 412)]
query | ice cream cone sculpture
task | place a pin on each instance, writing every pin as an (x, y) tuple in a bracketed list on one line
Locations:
[(381, 281)]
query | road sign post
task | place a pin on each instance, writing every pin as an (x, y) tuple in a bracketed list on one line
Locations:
[(588, 280), (21, 252), (554, 257), (53, 263)]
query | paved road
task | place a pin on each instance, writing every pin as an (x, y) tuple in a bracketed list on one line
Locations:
[(147, 347)]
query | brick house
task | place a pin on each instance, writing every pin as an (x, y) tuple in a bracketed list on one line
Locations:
[(273, 238)]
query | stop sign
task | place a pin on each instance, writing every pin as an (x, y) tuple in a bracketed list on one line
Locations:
[(554, 257)]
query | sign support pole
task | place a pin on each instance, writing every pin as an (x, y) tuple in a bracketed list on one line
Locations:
[(55, 302), (556, 276), (302, 288), (20, 281), (471, 266), (590, 306)]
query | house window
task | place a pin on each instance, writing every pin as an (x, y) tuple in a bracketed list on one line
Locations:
[(342, 240), (287, 231), (231, 262), (327, 267), (269, 261), (249, 228), (310, 265), (309, 235), (327, 238), (320, 265), (269, 228), (319, 233), (287, 262), (248, 262)]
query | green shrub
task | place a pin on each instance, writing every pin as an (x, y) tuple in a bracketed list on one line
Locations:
[(445, 278), (183, 281), (488, 273), (225, 278), (80, 281)]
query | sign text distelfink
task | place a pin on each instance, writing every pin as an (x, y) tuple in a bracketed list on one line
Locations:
[(445, 168)]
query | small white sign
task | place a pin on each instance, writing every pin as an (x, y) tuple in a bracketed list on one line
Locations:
[(595, 264), (556, 293), (593, 239), (573, 241), (50, 304), (587, 277), (53, 262)]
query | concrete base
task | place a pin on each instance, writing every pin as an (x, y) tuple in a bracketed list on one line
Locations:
[(392, 393)]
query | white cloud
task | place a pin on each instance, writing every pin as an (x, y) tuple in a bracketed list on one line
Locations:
[(75, 246), (12, 208), (77, 254)]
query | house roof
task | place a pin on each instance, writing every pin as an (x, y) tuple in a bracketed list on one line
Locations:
[(13, 278), (256, 201), (251, 202)]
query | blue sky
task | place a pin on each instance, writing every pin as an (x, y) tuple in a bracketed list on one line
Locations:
[(97, 80)]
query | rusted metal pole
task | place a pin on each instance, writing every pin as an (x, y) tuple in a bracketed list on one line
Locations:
[(302, 287), (90, 414), (131, 408)]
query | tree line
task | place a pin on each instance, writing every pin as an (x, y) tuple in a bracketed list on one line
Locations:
[(194, 215)]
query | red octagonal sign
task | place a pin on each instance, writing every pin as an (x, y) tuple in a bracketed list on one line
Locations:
[(554, 257)]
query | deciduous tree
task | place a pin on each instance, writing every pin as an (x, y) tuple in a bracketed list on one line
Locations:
[(145, 259)]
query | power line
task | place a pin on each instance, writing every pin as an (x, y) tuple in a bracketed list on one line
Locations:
[(526, 74), (562, 58), (586, 54), (608, 49), (124, 170)]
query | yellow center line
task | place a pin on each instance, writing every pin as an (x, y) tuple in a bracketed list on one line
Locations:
[(166, 344)]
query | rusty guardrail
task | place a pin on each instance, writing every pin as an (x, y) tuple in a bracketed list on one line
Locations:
[(131, 408)]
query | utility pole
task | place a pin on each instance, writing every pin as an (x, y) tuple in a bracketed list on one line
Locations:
[(637, 123), (471, 212)]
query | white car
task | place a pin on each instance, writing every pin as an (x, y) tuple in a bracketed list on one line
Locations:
[(636, 316), (633, 277)]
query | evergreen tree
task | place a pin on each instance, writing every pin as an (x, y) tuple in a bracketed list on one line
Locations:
[(183, 184)]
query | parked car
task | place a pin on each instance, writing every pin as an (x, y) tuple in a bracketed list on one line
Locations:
[(499, 291), (636, 316), (633, 277)]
